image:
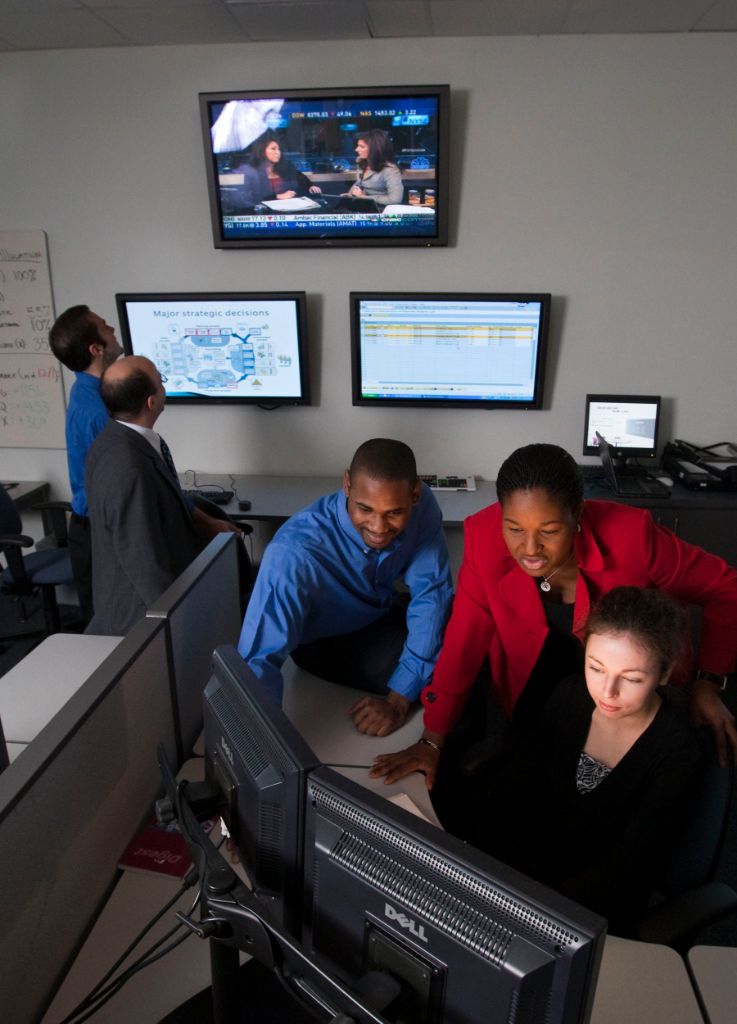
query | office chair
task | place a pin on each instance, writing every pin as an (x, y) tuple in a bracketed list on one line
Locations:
[(42, 571), (688, 897)]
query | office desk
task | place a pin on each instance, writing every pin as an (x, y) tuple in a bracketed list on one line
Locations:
[(637, 981), (707, 518), (274, 498), (714, 973), (27, 492), (37, 687), (319, 710)]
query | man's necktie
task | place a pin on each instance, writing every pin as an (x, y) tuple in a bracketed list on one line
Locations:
[(167, 457)]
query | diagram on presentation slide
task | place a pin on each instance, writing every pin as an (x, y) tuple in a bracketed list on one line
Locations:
[(215, 351), (216, 357)]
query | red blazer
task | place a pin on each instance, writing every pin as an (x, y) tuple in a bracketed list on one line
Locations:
[(498, 612)]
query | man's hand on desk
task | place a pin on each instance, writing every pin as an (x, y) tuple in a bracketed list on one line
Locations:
[(208, 526), (707, 708), (420, 757), (380, 716)]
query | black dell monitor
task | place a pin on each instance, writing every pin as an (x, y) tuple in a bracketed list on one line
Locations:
[(258, 761), (453, 350), (629, 423), (240, 348), (468, 939)]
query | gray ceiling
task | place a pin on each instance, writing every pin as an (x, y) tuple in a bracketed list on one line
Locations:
[(69, 24)]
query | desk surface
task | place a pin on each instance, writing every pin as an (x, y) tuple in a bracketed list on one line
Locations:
[(278, 497), (714, 972), (27, 492), (319, 710), (37, 687)]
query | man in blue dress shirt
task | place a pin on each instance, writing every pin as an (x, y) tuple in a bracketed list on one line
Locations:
[(85, 344), (325, 590)]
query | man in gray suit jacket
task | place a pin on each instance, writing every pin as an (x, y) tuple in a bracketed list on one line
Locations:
[(144, 532)]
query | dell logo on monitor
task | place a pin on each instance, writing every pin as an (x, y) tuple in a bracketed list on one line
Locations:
[(403, 921)]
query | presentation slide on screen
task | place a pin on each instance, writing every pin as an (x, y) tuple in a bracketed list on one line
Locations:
[(448, 350), (223, 349), (622, 424)]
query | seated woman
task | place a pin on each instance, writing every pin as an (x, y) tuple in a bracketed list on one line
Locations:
[(268, 175), (534, 563), (378, 176), (591, 798)]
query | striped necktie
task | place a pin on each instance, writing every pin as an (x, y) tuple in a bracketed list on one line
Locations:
[(167, 457)]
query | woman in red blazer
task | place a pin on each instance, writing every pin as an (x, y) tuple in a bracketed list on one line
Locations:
[(533, 565)]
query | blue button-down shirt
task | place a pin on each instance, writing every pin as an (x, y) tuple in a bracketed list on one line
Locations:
[(86, 417), (318, 578)]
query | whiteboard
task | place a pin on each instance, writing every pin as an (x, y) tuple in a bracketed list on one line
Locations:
[(32, 410)]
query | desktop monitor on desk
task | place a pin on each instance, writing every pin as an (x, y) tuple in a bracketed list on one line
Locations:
[(468, 938), (258, 763), (630, 424)]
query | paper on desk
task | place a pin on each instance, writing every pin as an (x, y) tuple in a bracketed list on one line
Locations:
[(408, 804), (291, 205), (406, 208)]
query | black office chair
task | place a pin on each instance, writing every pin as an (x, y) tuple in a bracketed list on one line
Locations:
[(688, 897), (40, 571)]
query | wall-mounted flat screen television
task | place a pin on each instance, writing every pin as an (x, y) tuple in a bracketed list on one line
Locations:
[(328, 167), (246, 347), (449, 349)]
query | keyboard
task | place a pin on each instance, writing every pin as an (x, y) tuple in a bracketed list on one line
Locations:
[(641, 487), (219, 497), (448, 483)]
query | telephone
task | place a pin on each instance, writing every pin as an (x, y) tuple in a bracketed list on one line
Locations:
[(709, 467)]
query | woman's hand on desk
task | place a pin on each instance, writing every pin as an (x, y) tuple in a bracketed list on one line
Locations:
[(420, 757), (380, 716)]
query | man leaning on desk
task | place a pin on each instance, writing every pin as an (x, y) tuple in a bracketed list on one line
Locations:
[(325, 590)]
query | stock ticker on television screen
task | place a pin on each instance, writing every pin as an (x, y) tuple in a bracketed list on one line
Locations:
[(212, 347), (284, 168)]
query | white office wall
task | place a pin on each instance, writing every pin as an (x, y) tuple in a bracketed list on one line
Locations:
[(602, 169)]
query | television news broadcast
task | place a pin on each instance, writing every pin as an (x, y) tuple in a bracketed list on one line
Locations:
[(318, 167)]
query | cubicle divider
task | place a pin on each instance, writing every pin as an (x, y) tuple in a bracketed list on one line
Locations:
[(202, 610), (68, 806)]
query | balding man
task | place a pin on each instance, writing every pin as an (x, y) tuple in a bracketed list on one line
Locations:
[(144, 532)]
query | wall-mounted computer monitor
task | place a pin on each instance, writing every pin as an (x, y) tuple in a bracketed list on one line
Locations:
[(629, 423), (328, 167), (453, 350), (258, 761), (467, 938), (237, 347)]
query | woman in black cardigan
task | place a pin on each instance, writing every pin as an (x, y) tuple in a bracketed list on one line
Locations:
[(592, 797)]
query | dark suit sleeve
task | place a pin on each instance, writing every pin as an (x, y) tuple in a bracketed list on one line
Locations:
[(138, 534)]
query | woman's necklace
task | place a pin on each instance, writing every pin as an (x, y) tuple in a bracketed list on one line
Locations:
[(544, 585)]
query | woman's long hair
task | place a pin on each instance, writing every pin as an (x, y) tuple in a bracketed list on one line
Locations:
[(380, 149)]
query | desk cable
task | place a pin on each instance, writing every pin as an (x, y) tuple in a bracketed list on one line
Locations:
[(103, 992)]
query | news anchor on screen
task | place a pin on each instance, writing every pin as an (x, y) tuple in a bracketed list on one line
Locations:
[(269, 175), (378, 176)]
